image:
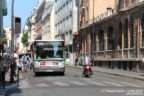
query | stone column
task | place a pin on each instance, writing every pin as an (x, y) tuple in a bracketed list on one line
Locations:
[(116, 41), (138, 39), (122, 39), (97, 43), (129, 32), (105, 43)]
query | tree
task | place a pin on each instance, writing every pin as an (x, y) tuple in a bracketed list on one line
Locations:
[(4, 31), (3, 40), (24, 38)]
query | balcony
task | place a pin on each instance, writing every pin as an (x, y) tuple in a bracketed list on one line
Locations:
[(97, 19)]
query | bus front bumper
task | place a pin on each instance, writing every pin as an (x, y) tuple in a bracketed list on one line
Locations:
[(60, 69)]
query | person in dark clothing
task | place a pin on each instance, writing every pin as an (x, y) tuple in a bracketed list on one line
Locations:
[(76, 61)]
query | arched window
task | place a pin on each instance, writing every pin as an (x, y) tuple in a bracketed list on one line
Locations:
[(110, 38), (120, 35), (121, 4), (142, 25), (126, 34), (131, 31), (101, 40)]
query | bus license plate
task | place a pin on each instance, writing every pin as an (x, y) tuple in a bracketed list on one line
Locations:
[(49, 70)]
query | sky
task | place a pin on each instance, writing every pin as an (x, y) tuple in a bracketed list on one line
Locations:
[(22, 8)]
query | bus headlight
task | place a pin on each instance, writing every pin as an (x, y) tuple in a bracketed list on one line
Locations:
[(36, 64), (61, 64)]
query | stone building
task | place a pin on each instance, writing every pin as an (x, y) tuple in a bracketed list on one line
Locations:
[(116, 38), (66, 23), (38, 18), (48, 21)]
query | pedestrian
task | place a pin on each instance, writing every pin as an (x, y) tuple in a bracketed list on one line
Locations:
[(143, 60), (2, 66), (1, 69), (29, 62), (24, 62), (76, 61)]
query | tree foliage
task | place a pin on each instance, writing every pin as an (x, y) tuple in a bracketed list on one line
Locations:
[(3, 40), (24, 38), (4, 31)]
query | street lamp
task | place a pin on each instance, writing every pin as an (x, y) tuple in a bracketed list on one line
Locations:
[(93, 36), (12, 43), (1, 19)]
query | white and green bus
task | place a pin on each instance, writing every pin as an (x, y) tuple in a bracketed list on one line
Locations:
[(48, 56)]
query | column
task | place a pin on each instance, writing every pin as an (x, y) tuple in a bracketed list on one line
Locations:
[(122, 39), (105, 43)]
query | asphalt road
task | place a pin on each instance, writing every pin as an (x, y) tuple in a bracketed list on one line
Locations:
[(73, 84)]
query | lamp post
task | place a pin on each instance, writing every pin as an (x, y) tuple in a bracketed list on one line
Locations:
[(12, 43), (1, 19), (93, 36)]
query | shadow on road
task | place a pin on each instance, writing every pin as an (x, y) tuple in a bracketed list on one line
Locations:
[(42, 74), (13, 91)]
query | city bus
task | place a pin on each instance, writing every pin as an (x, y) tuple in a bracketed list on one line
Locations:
[(48, 56)]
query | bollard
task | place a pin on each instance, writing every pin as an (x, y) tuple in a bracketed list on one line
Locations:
[(3, 78), (17, 76)]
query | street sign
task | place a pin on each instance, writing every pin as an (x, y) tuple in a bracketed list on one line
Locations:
[(4, 7), (17, 25)]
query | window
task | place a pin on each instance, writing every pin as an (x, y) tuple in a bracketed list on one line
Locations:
[(142, 25), (121, 4), (131, 32), (126, 3), (67, 3), (110, 38), (120, 35), (63, 5), (101, 40), (70, 34), (67, 36), (126, 34)]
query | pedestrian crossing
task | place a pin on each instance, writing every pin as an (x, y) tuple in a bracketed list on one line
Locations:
[(89, 83)]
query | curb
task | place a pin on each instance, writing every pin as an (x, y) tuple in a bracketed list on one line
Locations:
[(115, 74)]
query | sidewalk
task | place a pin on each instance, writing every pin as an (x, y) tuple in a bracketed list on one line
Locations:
[(123, 73), (7, 85)]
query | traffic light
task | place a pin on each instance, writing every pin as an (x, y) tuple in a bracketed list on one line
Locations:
[(17, 25)]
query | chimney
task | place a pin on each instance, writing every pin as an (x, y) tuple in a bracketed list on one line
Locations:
[(109, 11)]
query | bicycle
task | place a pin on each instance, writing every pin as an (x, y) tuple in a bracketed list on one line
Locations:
[(25, 67)]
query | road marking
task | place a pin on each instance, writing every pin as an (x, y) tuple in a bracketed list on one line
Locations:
[(42, 85), (95, 83), (130, 84), (60, 84), (78, 83), (112, 83)]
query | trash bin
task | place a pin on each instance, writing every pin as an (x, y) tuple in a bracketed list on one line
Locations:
[(66, 62)]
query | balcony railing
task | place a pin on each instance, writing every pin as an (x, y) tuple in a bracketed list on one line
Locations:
[(98, 18)]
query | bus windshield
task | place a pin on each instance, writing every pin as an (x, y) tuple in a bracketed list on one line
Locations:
[(48, 49)]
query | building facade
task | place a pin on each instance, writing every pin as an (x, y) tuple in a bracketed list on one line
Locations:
[(48, 21), (8, 36), (93, 8), (66, 22), (116, 40), (40, 9)]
